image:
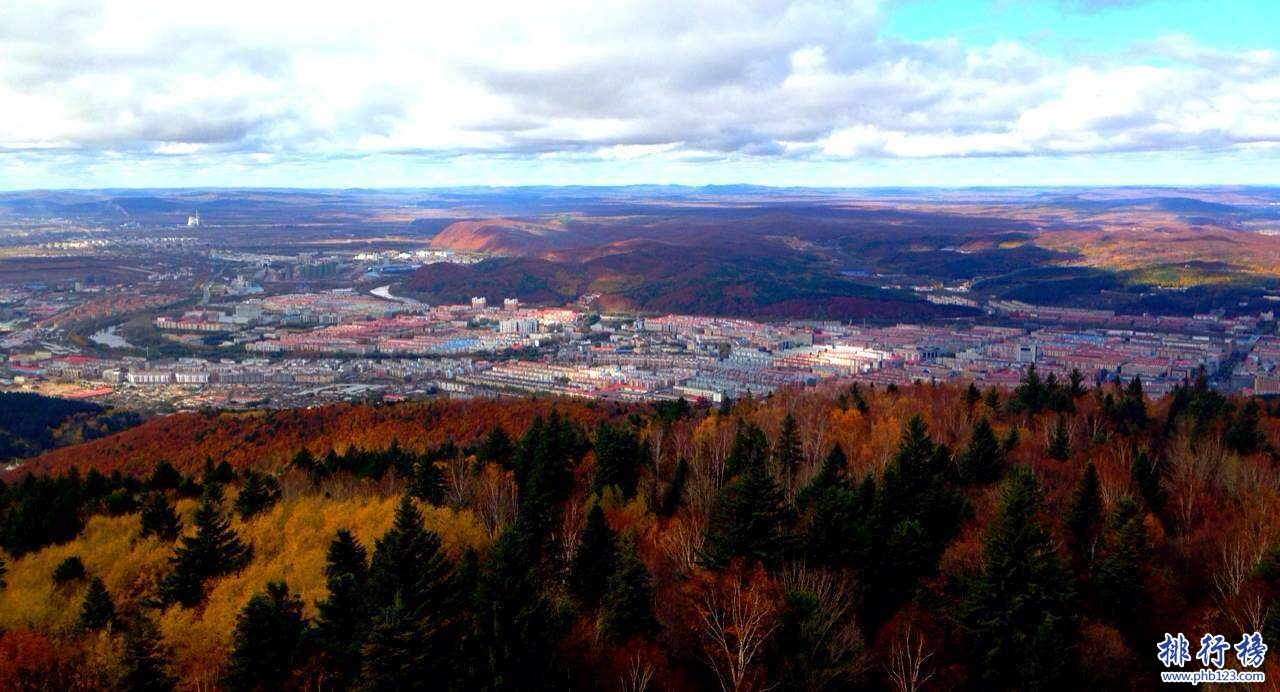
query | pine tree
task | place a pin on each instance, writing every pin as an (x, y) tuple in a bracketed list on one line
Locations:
[(1118, 580), (594, 560), (786, 452), (628, 599), (972, 396), (748, 450), (496, 448), (749, 519), (213, 550), (618, 458), (518, 626), (343, 619), (304, 461), (1075, 386), (397, 653), (1060, 441), (266, 642), (1085, 511), (409, 585), (1030, 396), (992, 399), (427, 483), (1020, 613), (259, 493), (830, 475), (1148, 476), (164, 477), (98, 610), (144, 659), (674, 492), (69, 570), (1243, 435), (1130, 414), (407, 563), (983, 460), (159, 519), (1011, 439), (4, 569)]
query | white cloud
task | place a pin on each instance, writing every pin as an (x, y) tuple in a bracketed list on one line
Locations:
[(264, 83)]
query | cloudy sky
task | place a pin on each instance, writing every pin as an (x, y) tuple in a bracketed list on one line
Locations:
[(852, 93)]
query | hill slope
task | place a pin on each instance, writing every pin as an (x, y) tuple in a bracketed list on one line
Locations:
[(846, 522)]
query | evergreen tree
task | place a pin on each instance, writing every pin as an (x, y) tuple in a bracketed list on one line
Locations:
[(1075, 386), (1020, 612), (1130, 413), (914, 515), (837, 530), (674, 492), (259, 493), (427, 482), (69, 570), (1243, 434), (4, 569), (159, 519), (593, 562), (749, 519), (1030, 396), (618, 458), (397, 654), (496, 448), (543, 465), (1060, 441), (266, 642), (1118, 581), (992, 399), (830, 475), (343, 619), (518, 626), (786, 452), (145, 656), (1085, 511), (98, 610), (407, 563), (1148, 476), (628, 600), (164, 477), (304, 461), (213, 550), (409, 586), (972, 396), (1010, 440), (748, 450), (983, 460), (217, 474)]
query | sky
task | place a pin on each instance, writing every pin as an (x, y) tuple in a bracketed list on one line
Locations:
[(809, 93)]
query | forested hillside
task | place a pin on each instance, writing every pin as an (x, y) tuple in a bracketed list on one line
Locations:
[(31, 423), (845, 538)]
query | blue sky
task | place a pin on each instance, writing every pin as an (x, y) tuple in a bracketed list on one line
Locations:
[(811, 92), (1099, 27)]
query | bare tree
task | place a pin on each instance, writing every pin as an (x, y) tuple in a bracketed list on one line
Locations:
[(1194, 471), (638, 675), (570, 531), (459, 482), (907, 666), (657, 436), (683, 543), (735, 627), (496, 500)]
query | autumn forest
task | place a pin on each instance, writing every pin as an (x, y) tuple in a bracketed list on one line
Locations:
[(848, 537)]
